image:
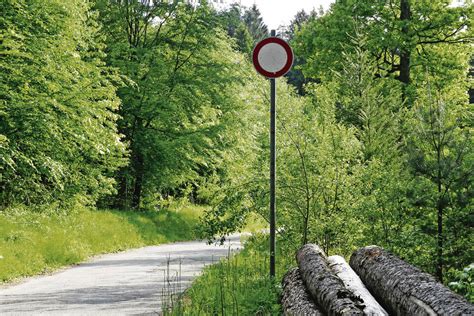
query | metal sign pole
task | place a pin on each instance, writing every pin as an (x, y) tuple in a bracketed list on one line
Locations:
[(272, 171), (272, 58)]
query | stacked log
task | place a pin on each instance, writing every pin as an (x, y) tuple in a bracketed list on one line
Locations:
[(326, 288), (295, 298), (404, 289), (353, 283)]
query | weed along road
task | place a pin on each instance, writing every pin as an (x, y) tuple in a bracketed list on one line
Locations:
[(134, 282)]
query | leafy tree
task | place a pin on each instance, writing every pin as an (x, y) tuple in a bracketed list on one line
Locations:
[(313, 186), (411, 43), (441, 159), (231, 19), (372, 105), (244, 25), (296, 24), (401, 36), (175, 114), (255, 25), (244, 39), (58, 137), (356, 167), (237, 187), (295, 75), (317, 157)]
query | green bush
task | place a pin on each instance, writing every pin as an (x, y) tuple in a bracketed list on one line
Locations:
[(463, 282), (237, 285)]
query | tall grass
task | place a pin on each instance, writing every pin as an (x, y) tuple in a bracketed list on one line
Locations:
[(32, 242), (237, 285)]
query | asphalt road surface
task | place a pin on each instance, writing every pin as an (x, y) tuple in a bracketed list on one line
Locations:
[(134, 282)]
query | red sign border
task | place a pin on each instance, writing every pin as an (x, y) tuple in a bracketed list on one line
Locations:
[(280, 42)]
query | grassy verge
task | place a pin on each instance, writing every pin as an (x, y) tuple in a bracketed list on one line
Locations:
[(239, 285), (32, 243)]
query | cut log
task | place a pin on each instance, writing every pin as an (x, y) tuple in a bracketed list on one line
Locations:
[(326, 288), (404, 289), (295, 298), (353, 283)]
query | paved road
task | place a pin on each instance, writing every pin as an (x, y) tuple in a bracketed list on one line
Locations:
[(134, 282)]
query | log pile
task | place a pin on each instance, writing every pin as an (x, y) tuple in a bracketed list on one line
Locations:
[(354, 284), (330, 286), (327, 289), (403, 288), (295, 298)]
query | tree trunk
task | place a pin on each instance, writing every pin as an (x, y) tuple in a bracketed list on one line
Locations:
[(326, 288), (405, 49), (354, 284), (295, 298), (121, 197), (405, 67), (137, 188), (439, 246), (404, 289), (439, 207)]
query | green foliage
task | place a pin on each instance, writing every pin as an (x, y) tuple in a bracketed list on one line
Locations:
[(463, 282), (356, 166), (58, 137), (440, 157), (184, 99), (232, 21), (244, 39), (410, 186), (404, 37), (295, 75), (245, 25), (34, 242), (317, 156), (255, 25)]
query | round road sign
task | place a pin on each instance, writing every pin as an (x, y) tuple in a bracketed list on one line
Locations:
[(272, 57)]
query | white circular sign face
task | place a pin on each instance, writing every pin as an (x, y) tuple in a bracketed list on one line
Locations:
[(272, 57)]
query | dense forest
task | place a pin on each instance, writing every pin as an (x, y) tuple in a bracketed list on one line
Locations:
[(130, 104)]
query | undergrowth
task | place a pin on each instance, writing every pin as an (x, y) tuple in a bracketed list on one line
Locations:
[(237, 285), (37, 242)]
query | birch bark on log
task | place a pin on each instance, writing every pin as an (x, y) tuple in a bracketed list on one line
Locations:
[(404, 289), (353, 283), (327, 289), (295, 298)]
